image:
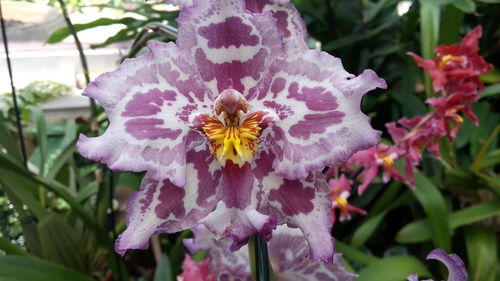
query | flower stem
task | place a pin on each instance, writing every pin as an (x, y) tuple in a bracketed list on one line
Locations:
[(261, 259)]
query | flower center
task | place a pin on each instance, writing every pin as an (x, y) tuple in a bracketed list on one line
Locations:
[(445, 60), (232, 132)]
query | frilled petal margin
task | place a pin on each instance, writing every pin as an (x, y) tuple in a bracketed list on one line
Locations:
[(318, 104), (236, 215), (288, 20), (161, 207), (454, 263), (231, 47), (299, 203), (225, 264), (148, 101), (288, 255)]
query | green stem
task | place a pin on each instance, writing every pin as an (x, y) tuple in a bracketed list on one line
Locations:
[(261, 259), (83, 59)]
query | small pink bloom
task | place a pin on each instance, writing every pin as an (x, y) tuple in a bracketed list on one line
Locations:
[(192, 271), (372, 159), (456, 64), (340, 190)]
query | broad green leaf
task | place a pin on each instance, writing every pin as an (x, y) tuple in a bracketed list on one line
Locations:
[(61, 244), (370, 224), (421, 230), (492, 159), (16, 268), (64, 32), (429, 28), (450, 25), (60, 190), (393, 269), (24, 189), (7, 141), (354, 254), (41, 132), (476, 165), (11, 249), (467, 6), (490, 1), (163, 271), (482, 254), (490, 91), (435, 208)]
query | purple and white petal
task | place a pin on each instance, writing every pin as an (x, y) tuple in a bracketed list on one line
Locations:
[(304, 204), (236, 215), (289, 21), (224, 264), (232, 48), (318, 103), (148, 101), (289, 257), (162, 207), (454, 263)]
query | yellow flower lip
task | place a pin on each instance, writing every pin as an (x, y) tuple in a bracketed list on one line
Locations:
[(232, 133)]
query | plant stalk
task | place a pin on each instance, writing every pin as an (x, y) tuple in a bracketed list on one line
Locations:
[(261, 259)]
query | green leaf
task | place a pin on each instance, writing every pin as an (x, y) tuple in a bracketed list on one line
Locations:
[(393, 269), (421, 230), (482, 254), (16, 268), (370, 224), (63, 32), (163, 271), (41, 132), (11, 249), (435, 208), (467, 6), (8, 142), (60, 243), (450, 25), (60, 190), (429, 28), (490, 91), (23, 189), (354, 253)]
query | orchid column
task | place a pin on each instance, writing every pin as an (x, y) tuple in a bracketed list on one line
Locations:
[(237, 115)]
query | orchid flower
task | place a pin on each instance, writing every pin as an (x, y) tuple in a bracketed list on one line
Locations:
[(379, 156), (456, 68), (235, 115), (288, 256), (454, 263), (340, 191)]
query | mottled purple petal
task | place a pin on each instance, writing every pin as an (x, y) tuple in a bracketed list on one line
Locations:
[(231, 48), (305, 204), (454, 263), (224, 264), (236, 215), (289, 257), (148, 101), (318, 103), (288, 19), (161, 207), (413, 277)]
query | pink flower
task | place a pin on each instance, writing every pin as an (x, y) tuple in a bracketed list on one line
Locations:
[(379, 156), (192, 271), (340, 190), (456, 64)]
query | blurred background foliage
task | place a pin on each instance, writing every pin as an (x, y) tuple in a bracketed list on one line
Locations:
[(60, 213)]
